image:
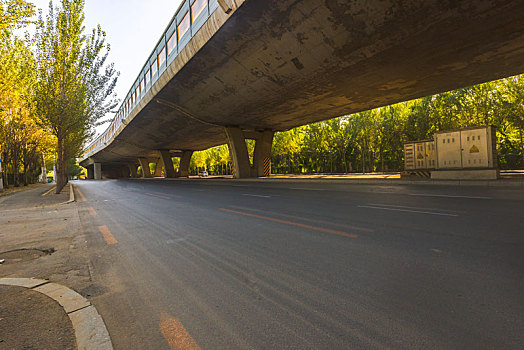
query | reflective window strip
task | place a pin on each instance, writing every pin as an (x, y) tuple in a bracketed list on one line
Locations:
[(162, 57), (183, 27), (171, 43), (154, 68), (197, 8)]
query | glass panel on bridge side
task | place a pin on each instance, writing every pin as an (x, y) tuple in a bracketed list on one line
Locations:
[(162, 56), (197, 8), (183, 27), (171, 43), (146, 78), (154, 68)]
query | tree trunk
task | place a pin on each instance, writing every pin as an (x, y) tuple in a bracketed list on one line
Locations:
[(25, 174), (16, 179), (363, 162), (381, 160), (369, 161), (60, 178)]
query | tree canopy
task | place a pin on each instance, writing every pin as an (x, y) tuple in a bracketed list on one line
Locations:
[(373, 140)]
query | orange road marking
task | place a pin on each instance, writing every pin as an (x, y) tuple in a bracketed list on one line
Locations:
[(306, 219), (316, 228), (176, 334), (80, 194), (91, 211), (158, 196), (110, 239)]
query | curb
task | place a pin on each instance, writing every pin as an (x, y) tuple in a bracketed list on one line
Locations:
[(381, 182), (71, 194), (47, 192), (90, 330)]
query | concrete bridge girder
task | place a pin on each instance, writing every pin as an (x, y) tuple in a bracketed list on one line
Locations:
[(332, 58)]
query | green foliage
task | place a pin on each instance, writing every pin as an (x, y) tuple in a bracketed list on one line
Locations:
[(22, 141), (73, 169), (14, 14), (74, 87), (373, 140)]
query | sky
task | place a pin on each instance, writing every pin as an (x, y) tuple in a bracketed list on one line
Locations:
[(133, 28)]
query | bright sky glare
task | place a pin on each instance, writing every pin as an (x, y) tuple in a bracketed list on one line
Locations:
[(133, 28)]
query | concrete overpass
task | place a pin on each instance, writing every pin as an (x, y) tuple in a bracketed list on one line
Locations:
[(229, 70)]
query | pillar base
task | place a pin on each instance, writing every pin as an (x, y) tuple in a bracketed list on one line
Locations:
[(166, 163), (242, 167), (97, 171), (144, 164), (185, 160)]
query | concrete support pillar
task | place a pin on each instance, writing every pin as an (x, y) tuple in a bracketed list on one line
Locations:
[(90, 172), (242, 167), (238, 152), (97, 171), (133, 170), (144, 163), (124, 171), (158, 168), (167, 164), (262, 156), (185, 159)]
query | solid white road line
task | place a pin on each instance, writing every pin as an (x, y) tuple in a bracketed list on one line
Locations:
[(446, 196), (416, 208), (406, 210)]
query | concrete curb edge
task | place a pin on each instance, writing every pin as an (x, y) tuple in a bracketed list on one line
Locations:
[(380, 182), (47, 192), (71, 194), (89, 327)]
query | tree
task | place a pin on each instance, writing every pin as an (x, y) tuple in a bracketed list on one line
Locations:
[(74, 87), (21, 139)]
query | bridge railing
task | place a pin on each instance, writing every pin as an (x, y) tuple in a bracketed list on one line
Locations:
[(186, 22)]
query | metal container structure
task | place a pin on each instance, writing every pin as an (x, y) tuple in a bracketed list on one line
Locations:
[(466, 148), (419, 155), (448, 150)]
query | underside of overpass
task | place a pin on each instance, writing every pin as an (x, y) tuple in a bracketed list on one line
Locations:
[(276, 64)]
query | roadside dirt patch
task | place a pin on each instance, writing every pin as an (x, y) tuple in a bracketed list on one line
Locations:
[(31, 320)]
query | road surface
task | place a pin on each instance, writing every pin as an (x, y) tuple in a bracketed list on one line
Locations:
[(222, 264)]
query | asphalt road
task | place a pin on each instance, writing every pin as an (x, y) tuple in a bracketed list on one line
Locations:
[(222, 264)]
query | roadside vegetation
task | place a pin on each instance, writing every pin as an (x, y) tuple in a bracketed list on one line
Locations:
[(373, 140), (55, 85)]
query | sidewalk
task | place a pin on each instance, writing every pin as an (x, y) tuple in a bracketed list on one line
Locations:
[(41, 237)]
